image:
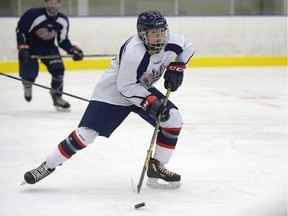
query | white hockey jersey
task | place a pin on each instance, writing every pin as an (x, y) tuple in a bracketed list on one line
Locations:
[(134, 70)]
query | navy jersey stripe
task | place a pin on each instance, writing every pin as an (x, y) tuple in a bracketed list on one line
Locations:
[(142, 68), (174, 48), (122, 49)]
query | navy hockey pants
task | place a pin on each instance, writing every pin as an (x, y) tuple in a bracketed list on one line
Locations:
[(29, 71), (105, 118)]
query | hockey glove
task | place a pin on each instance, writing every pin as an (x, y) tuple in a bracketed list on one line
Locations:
[(77, 53), (154, 107), (174, 75), (24, 53)]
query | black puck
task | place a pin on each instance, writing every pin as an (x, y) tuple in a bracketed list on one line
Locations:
[(139, 205)]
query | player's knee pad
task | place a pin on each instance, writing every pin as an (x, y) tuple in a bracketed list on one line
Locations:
[(86, 135), (57, 72), (76, 141), (175, 120), (168, 134)]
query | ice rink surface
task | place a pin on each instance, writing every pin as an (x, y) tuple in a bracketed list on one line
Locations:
[(232, 152)]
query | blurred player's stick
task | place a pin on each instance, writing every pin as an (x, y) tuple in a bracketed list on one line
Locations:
[(45, 87), (150, 150), (69, 56)]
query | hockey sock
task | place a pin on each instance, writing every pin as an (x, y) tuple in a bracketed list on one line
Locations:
[(57, 84), (71, 145), (77, 140), (29, 83), (55, 159), (166, 143)]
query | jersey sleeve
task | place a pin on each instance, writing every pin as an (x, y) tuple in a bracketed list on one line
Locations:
[(62, 37), (187, 53), (23, 27)]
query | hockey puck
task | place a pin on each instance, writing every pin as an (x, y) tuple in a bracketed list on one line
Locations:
[(139, 205)]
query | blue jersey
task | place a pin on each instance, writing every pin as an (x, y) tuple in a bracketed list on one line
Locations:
[(39, 31)]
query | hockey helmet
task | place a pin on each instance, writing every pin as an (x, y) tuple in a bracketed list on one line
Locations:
[(153, 23)]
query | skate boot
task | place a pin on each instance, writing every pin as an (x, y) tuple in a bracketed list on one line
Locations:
[(157, 171), (37, 174), (58, 102), (28, 94)]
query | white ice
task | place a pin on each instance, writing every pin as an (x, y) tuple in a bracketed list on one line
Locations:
[(232, 152)]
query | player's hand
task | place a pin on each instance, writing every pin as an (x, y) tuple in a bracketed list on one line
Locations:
[(24, 53), (154, 107), (174, 75), (77, 53)]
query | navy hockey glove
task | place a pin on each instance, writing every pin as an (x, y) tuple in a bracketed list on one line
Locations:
[(77, 53), (154, 107), (24, 52), (174, 75)]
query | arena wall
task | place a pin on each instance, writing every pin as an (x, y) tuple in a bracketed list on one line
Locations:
[(218, 41)]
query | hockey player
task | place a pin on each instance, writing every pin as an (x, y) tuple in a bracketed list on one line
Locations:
[(36, 32), (127, 86)]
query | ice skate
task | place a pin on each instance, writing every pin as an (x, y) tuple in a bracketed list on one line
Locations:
[(28, 94), (160, 177), (59, 103), (37, 174)]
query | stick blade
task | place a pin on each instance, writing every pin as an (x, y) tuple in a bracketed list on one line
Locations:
[(134, 188), (139, 186)]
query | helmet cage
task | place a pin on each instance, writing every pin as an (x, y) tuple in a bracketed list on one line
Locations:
[(154, 46), (52, 12)]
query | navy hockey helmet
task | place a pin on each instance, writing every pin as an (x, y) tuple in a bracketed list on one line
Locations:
[(153, 21), (52, 7)]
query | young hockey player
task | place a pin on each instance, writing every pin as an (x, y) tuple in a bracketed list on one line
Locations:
[(127, 86), (36, 32)]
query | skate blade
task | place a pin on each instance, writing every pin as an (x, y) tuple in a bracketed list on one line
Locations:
[(134, 187), (60, 109), (153, 183), (23, 183)]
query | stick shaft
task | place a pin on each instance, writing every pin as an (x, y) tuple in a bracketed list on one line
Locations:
[(150, 150), (69, 56), (45, 87)]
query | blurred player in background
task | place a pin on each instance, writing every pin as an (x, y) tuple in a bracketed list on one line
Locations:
[(36, 32), (128, 86)]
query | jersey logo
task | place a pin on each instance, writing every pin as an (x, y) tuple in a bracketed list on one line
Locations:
[(154, 75), (45, 34)]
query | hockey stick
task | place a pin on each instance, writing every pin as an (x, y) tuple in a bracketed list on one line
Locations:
[(45, 87), (69, 56), (150, 150)]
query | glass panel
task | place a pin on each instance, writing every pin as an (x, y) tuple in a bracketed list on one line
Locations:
[(136, 7), (259, 7), (204, 7), (167, 7), (6, 8), (104, 8), (25, 5)]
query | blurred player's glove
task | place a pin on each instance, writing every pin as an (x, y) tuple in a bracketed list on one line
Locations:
[(174, 75), (154, 107), (77, 53), (24, 52)]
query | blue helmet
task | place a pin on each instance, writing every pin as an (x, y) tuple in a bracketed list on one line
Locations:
[(152, 20)]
